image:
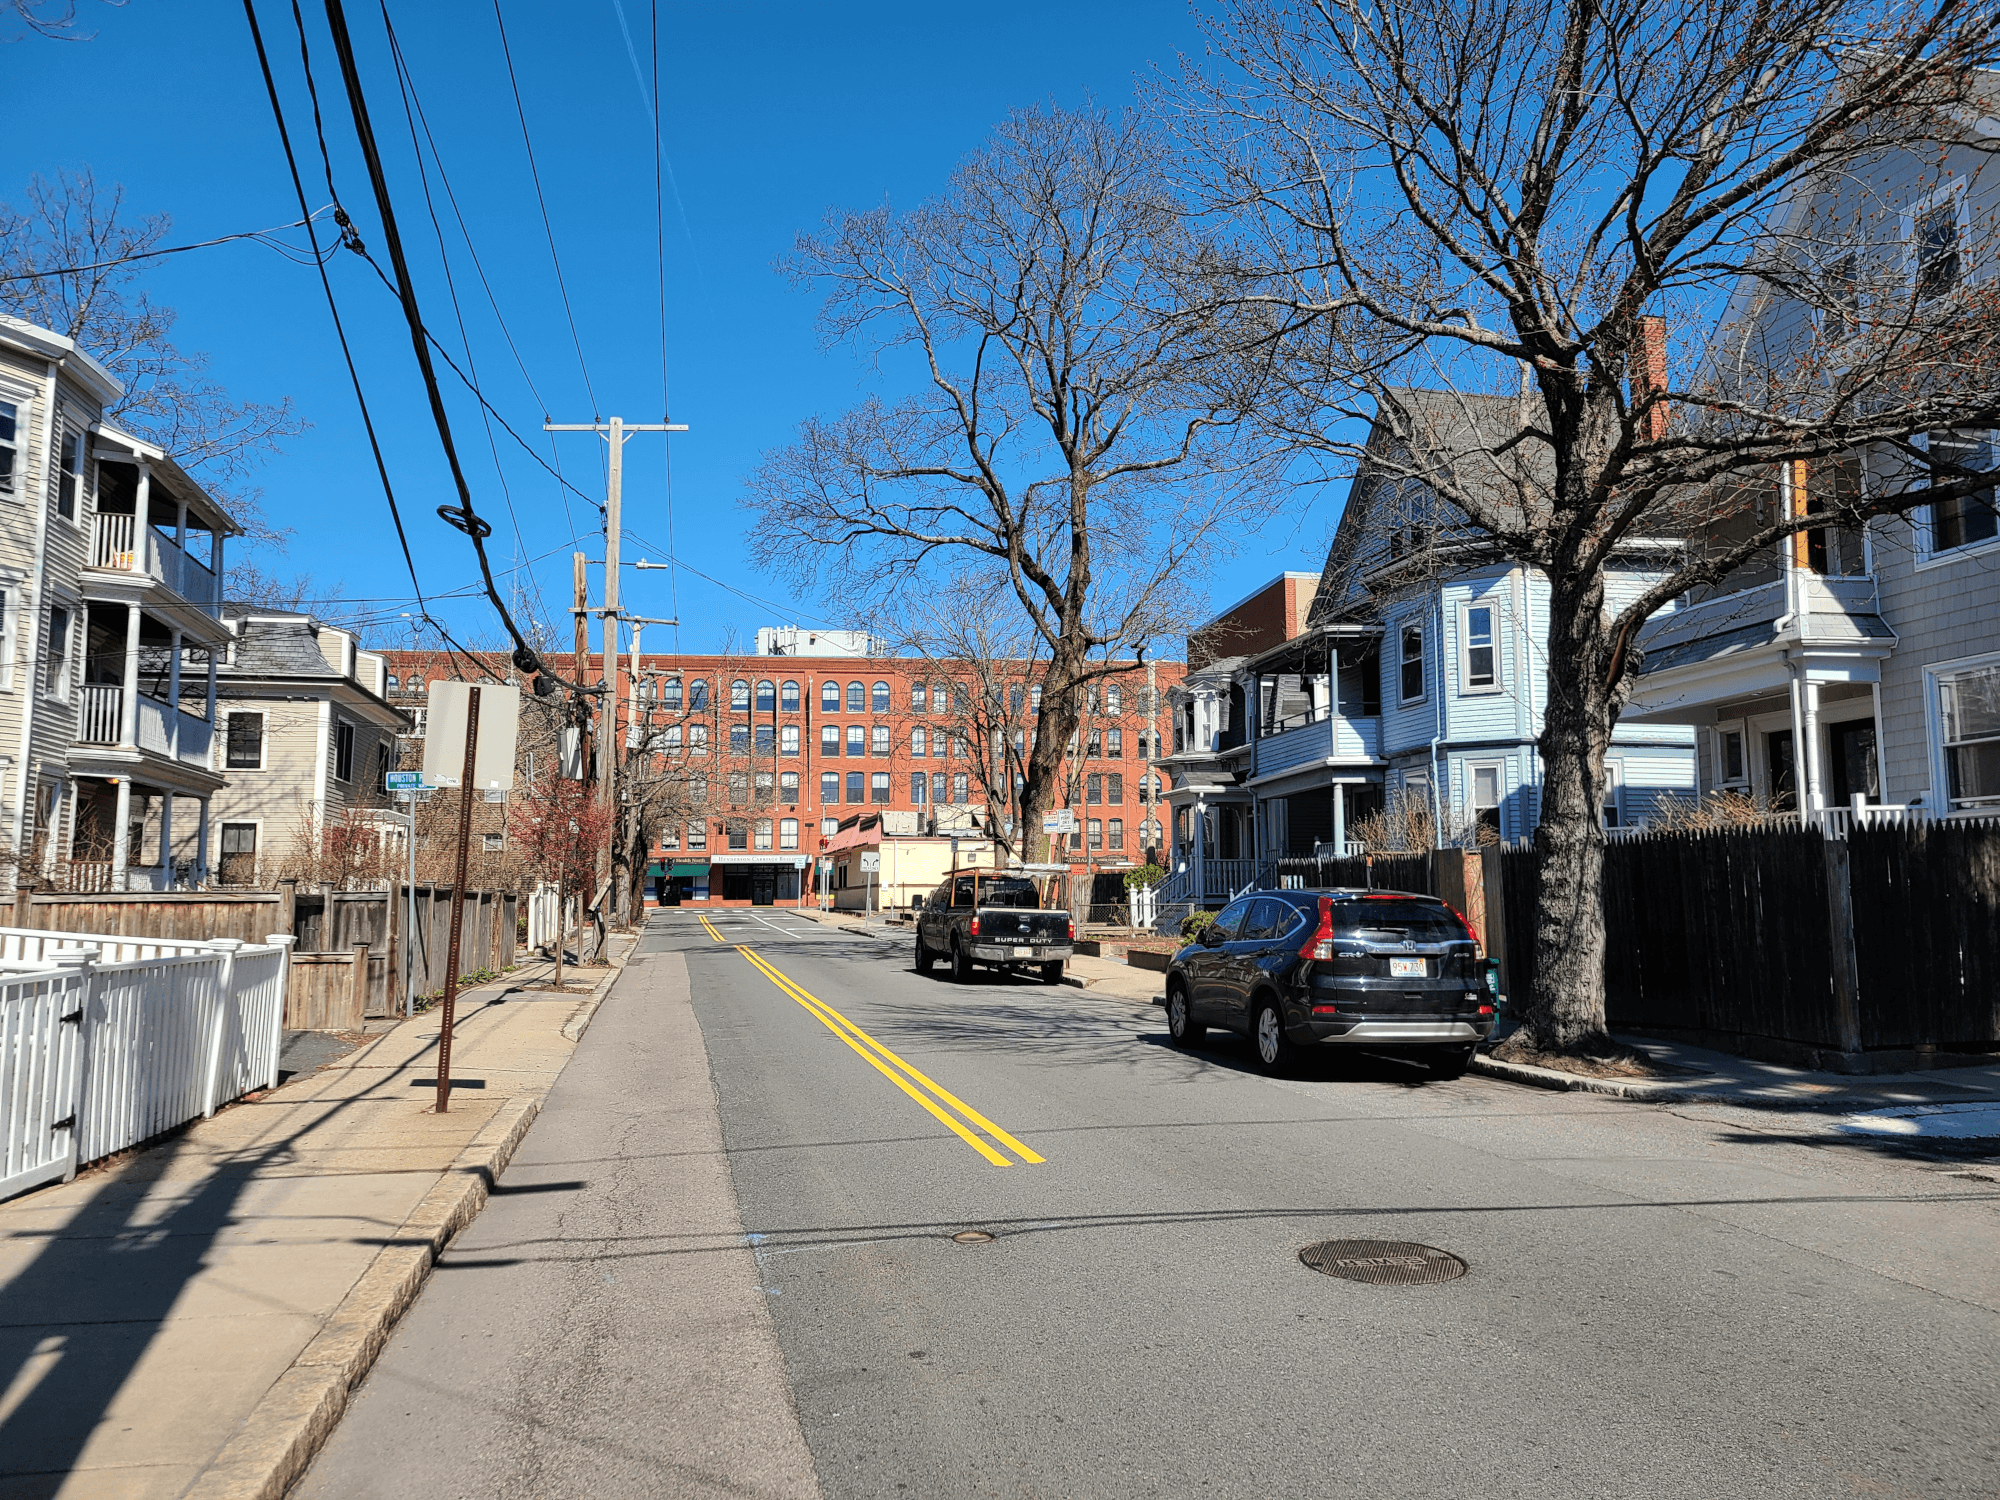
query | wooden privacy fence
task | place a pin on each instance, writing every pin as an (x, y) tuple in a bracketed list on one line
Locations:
[(98, 1055), (328, 974)]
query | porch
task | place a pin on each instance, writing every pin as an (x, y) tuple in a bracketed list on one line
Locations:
[(156, 528)]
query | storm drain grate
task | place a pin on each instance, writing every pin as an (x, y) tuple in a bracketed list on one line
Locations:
[(1383, 1262)]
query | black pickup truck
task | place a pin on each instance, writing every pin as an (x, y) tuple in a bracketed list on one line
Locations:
[(991, 917)]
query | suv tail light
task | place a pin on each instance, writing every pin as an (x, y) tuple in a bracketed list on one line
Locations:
[(1320, 945), (1470, 931), (975, 925)]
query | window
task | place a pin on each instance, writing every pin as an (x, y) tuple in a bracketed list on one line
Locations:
[(880, 697), (1118, 833), (492, 843), (828, 827), (1479, 669), (878, 788), (829, 696), (698, 738), (239, 854), (1093, 745), (917, 740), (670, 693), (1969, 716), (382, 765), (670, 838), (1016, 697), (762, 784), (1614, 800), (917, 781), (878, 741), (1114, 699), (854, 787), (57, 682), (1149, 833), (1729, 756), (767, 698), (1093, 789), (245, 744), (10, 418), (69, 475), (1413, 663), (670, 738), (739, 739), (1114, 743), (788, 833), (1090, 699), (857, 698), (1934, 247), (1114, 789), (960, 788), (938, 794), (739, 694), (1093, 829), (961, 698), (395, 684), (829, 788), (1035, 698), (939, 700), (829, 741), (857, 740), (343, 750), (788, 786), (788, 740), (739, 788), (919, 698), (697, 835), (1485, 794), (763, 833), (739, 834), (698, 694), (1149, 788), (765, 739), (1969, 518), (1842, 319), (698, 791), (1148, 701), (788, 697)]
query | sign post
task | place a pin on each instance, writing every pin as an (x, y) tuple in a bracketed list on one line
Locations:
[(407, 785), (457, 903), (871, 864)]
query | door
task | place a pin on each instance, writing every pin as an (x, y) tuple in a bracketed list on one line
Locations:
[(1207, 969), (1855, 773), (1782, 764), (763, 886), (1247, 954)]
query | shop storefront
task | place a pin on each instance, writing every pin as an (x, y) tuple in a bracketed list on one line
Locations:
[(678, 882), (756, 879)]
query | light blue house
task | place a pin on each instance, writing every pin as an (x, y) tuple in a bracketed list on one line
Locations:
[(1420, 670)]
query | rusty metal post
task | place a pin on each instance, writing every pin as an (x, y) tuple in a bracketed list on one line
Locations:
[(465, 791)]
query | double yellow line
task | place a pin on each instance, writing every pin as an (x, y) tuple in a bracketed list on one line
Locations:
[(938, 1101)]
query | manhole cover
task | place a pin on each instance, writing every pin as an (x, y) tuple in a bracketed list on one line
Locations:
[(1384, 1262), (980, 1237)]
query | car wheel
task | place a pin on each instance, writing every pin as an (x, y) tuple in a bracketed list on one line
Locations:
[(961, 966), (1052, 973), (1181, 1024), (1275, 1052), (1450, 1062), (923, 956)]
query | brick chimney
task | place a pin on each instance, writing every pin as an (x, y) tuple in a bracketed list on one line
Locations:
[(1649, 374)]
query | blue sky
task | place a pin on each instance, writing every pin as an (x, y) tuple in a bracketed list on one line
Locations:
[(772, 115)]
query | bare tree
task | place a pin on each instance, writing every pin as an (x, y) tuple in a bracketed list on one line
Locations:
[(55, 19), (1492, 201), (1070, 425), (66, 264)]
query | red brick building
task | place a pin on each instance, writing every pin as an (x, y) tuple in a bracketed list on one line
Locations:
[(782, 748)]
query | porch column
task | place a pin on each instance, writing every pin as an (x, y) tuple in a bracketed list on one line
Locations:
[(75, 812), (1339, 820), (1815, 799), (201, 847), (180, 524), (211, 690), (174, 698), (121, 841), (142, 510), (128, 710), (167, 840)]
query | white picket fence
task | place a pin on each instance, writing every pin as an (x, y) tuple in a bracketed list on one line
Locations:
[(107, 1042)]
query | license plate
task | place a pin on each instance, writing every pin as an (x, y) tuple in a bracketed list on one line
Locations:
[(1406, 968), (1024, 953)]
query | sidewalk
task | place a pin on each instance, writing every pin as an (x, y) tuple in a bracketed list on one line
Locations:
[(1699, 1075), (189, 1320)]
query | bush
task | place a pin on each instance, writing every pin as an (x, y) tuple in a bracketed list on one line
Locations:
[(1145, 875), (1195, 925)]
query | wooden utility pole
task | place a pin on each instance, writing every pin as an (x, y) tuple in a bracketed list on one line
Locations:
[(616, 432)]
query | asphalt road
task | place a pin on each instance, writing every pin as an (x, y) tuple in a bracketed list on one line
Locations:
[(1702, 1302)]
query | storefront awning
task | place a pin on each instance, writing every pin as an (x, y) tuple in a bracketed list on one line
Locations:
[(685, 867)]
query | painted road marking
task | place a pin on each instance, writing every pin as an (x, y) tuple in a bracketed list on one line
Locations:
[(933, 1097), (711, 928)]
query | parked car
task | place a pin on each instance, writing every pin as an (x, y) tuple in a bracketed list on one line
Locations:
[(994, 918), (1300, 970)]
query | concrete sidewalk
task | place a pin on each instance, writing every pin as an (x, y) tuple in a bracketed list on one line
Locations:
[(188, 1321)]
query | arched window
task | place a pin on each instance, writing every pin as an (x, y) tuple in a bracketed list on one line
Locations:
[(395, 684), (829, 696), (788, 697), (767, 698), (698, 694), (788, 739), (1114, 699), (1035, 698), (739, 694), (670, 693), (917, 742), (881, 697), (1015, 698), (919, 696), (673, 737), (880, 740), (939, 703), (857, 698)]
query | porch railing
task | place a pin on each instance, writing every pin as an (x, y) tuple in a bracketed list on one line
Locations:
[(115, 545), (161, 729), (97, 724)]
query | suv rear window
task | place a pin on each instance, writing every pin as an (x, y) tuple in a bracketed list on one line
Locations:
[(1380, 920)]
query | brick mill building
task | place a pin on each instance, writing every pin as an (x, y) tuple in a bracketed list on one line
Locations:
[(784, 746)]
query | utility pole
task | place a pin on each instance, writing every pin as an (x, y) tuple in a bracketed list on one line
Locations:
[(615, 432)]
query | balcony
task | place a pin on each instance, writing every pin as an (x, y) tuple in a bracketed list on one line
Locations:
[(162, 729), (1309, 738), (115, 548)]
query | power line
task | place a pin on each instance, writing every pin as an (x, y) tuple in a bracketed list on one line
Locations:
[(262, 236)]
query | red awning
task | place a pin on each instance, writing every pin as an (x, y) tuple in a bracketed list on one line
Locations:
[(857, 837)]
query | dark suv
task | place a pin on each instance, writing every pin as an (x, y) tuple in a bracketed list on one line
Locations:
[(1298, 970)]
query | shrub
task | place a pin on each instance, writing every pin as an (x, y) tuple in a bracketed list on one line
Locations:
[(1195, 925), (1145, 875)]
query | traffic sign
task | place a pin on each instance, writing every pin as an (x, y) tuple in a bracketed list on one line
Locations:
[(871, 862), (404, 781)]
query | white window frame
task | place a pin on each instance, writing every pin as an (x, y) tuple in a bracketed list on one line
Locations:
[(1925, 535), (60, 686), (74, 429), (1614, 795), (333, 748), (1954, 190), (11, 583), (22, 407), (1471, 769), (1466, 687), (1719, 747), (263, 740), (255, 824), (1403, 628), (788, 833), (1935, 674)]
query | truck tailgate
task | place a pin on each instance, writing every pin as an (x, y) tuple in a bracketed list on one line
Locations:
[(1011, 924)]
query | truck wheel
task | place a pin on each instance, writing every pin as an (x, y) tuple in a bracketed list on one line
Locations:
[(961, 966), (924, 956), (1052, 973)]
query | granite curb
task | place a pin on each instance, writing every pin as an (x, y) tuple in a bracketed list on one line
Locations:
[(1640, 1091)]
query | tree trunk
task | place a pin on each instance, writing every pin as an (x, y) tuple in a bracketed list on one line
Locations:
[(1564, 1012), (1050, 746), (562, 897)]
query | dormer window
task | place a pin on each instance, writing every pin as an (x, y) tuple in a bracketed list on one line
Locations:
[(1934, 244)]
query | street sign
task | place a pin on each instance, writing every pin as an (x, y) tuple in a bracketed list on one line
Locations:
[(444, 734), (404, 781), (871, 862), (1062, 820)]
